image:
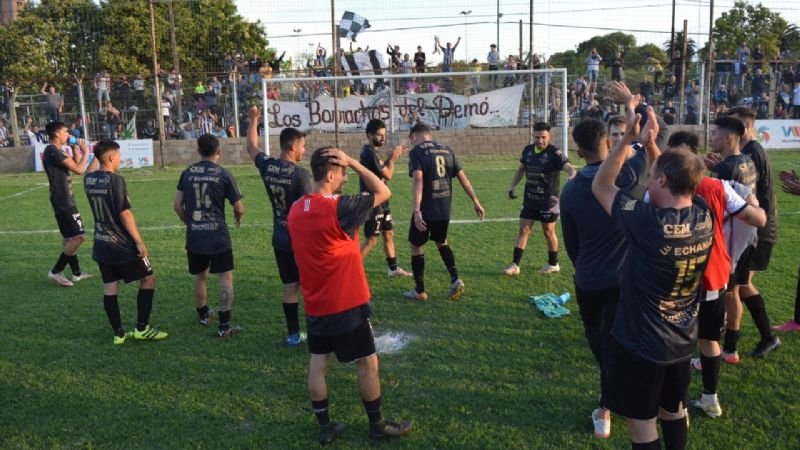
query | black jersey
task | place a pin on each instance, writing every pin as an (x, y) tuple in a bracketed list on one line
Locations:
[(61, 196), (765, 190), (370, 159), (660, 279), (205, 186), (439, 166), (738, 168), (285, 183), (633, 174), (108, 197), (542, 175)]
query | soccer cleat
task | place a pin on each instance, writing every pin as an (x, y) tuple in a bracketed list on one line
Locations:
[(81, 277), (512, 270), (119, 340), (730, 358), (456, 290), (149, 334), (293, 340), (602, 426), (709, 403), (764, 347), (228, 331), (696, 364), (328, 433), (59, 279), (210, 315), (414, 295), (788, 327), (399, 272), (548, 269), (388, 429)]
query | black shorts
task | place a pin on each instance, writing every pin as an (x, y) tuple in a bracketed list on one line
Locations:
[(220, 263), (537, 213), (759, 262), (128, 272), (711, 319), (287, 267), (437, 232), (741, 274), (637, 388), (70, 223), (349, 347), (378, 223)]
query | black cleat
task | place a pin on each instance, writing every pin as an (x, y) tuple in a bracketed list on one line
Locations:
[(764, 347), (328, 433), (389, 429)]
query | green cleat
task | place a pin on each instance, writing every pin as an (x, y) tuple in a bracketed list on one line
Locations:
[(149, 334)]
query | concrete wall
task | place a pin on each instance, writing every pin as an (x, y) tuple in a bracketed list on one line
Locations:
[(475, 141)]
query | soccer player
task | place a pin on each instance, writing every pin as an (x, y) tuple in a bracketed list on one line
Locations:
[(655, 328), (285, 182), (118, 247), (324, 230), (541, 165), (381, 221), (432, 168), (200, 204), (59, 167)]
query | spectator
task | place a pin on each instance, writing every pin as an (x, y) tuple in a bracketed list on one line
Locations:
[(721, 99), (796, 101), (254, 68), (758, 84), (123, 89), (405, 64), (54, 103), (493, 58), (593, 69), (275, 65), (6, 91), (419, 60), (113, 120), (654, 66), (646, 90), (670, 91), (138, 90), (187, 132), (321, 61), (34, 134), (150, 131), (668, 113), (617, 71), (733, 96), (448, 54), (199, 90), (758, 57), (211, 97), (723, 67), (395, 54), (274, 94), (166, 106), (102, 84), (206, 122), (677, 67), (412, 86), (511, 64), (219, 132), (740, 67), (787, 77), (780, 112), (474, 67), (5, 136)]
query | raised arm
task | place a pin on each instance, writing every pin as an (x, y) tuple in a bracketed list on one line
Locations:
[(388, 166), (77, 163), (374, 184), (254, 114), (603, 186)]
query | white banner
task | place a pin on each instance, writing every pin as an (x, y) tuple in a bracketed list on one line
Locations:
[(135, 153), (778, 134), (498, 108)]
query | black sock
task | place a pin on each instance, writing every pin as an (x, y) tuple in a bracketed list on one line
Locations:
[(449, 261), (731, 339), (202, 311), (797, 300), (675, 433), (552, 258), (755, 304), (518, 254), (418, 267), (224, 318), (61, 263), (320, 408), (655, 445), (144, 304), (392, 262), (292, 320), (373, 409), (111, 306), (710, 373), (74, 265)]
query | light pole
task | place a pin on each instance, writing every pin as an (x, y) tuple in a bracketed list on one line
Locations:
[(499, 15), (466, 47)]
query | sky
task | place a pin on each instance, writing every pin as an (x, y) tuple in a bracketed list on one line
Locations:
[(298, 27)]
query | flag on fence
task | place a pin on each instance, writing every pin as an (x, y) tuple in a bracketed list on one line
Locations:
[(352, 24), (130, 129), (363, 63)]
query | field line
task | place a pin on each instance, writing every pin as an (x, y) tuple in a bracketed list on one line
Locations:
[(38, 186)]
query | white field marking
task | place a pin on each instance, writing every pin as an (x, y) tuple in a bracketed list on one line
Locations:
[(38, 186), (392, 342), (788, 213), (245, 225)]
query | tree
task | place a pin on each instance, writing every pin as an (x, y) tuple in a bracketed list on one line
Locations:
[(691, 46), (748, 24), (607, 45), (790, 38), (572, 61)]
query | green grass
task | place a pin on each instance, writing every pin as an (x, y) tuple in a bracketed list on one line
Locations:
[(488, 371)]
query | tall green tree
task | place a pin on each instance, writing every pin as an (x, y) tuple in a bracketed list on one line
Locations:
[(691, 46), (607, 45), (749, 24)]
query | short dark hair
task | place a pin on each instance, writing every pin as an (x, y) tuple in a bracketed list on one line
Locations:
[(374, 125), (618, 121), (541, 126), (683, 170), (419, 128), (207, 145), (686, 138), (289, 136), (741, 111), (104, 146), (588, 134), (321, 164), (53, 127), (730, 123)]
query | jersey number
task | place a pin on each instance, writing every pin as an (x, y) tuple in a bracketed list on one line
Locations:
[(441, 166), (200, 197), (97, 208), (688, 278), (279, 196)]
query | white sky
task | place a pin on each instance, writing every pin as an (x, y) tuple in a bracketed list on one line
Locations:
[(558, 25)]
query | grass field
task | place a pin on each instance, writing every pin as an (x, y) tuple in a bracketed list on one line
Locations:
[(488, 371)]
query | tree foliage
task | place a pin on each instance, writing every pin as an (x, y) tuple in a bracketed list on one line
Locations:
[(749, 24), (607, 45), (691, 46)]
